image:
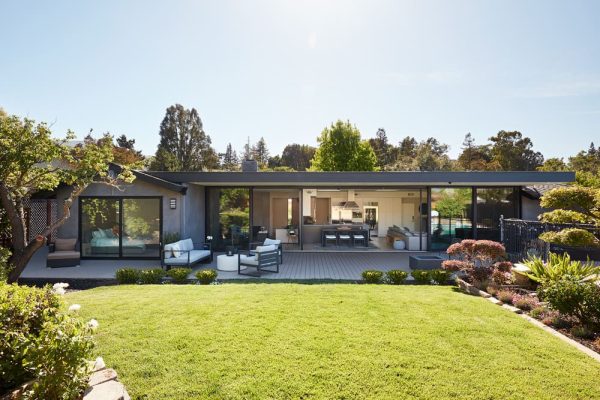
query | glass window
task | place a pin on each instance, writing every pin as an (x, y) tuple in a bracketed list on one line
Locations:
[(276, 215), (100, 227), (451, 216), (228, 218), (141, 227), (491, 204)]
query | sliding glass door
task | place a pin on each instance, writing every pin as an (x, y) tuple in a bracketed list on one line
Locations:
[(120, 227)]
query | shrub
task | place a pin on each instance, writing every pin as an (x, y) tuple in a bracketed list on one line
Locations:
[(574, 237), (395, 276), (505, 296), (206, 276), (500, 277), (559, 266), (152, 276), (179, 275), (421, 276), (582, 332), (574, 298), (127, 276), (492, 289), (440, 276), (554, 319), (538, 312), (372, 276), (524, 303), (41, 341), (479, 261), (454, 265)]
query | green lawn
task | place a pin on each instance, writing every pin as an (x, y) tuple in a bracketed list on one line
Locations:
[(332, 341)]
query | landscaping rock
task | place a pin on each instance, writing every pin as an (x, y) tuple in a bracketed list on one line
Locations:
[(102, 376), (513, 309), (111, 390)]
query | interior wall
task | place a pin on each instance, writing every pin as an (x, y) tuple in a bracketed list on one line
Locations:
[(399, 207)]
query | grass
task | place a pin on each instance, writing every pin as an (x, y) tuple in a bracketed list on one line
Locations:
[(290, 341)]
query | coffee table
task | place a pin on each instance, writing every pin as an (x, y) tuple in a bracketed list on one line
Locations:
[(228, 263)]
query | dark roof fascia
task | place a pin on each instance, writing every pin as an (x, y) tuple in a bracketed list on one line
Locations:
[(442, 178), (154, 180)]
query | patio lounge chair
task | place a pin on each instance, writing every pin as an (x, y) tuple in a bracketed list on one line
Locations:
[(269, 242), (263, 259), (63, 253), (185, 253)]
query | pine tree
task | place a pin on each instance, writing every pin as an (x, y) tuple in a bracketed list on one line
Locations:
[(260, 152), (184, 146), (229, 159)]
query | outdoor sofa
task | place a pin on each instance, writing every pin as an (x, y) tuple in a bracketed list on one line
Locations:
[(185, 253), (63, 253)]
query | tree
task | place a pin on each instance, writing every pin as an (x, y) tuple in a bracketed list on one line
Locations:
[(31, 161), (408, 147), (341, 149), (229, 159), (513, 152), (572, 205), (586, 161), (428, 155), (297, 156), (260, 152), (184, 146), (384, 151), (124, 152), (476, 158), (553, 164)]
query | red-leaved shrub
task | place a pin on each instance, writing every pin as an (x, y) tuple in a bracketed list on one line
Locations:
[(480, 261)]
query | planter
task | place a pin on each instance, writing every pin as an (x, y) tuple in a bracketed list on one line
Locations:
[(579, 253)]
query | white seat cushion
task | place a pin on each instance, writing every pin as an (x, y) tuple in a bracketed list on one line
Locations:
[(248, 260), (186, 244), (330, 237), (260, 249), (344, 236), (359, 237), (269, 242), (168, 253)]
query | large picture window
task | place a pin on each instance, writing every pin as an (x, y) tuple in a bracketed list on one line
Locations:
[(451, 216), (113, 227), (491, 204), (228, 217)]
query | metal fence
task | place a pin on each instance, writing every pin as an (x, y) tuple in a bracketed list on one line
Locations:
[(521, 237)]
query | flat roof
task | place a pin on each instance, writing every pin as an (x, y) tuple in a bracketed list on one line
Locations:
[(348, 179)]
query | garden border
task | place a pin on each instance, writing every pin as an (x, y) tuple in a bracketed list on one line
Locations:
[(470, 289)]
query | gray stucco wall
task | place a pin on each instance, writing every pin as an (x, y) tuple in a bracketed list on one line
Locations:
[(171, 218), (193, 214), (530, 209)]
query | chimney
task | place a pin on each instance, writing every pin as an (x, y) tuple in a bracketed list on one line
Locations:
[(249, 166)]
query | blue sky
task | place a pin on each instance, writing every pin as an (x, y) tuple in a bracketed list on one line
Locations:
[(286, 69)]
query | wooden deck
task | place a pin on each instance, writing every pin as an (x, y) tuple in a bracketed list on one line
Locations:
[(300, 266)]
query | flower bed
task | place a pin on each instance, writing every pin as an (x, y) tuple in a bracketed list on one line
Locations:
[(566, 295)]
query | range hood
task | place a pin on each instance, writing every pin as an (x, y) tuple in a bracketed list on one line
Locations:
[(349, 205)]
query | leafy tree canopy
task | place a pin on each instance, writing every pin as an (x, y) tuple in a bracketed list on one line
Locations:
[(297, 156), (514, 152), (341, 149), (32, 160), (184, 146)]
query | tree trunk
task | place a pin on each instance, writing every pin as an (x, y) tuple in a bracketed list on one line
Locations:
[(19, 259)]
